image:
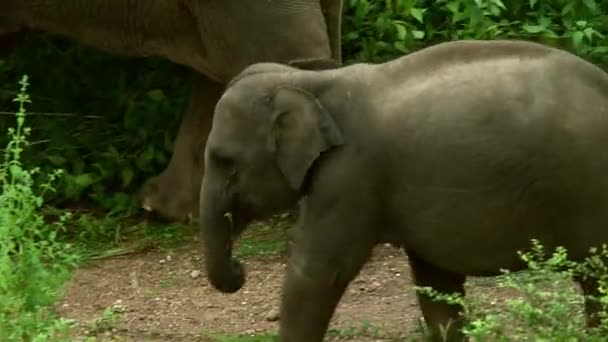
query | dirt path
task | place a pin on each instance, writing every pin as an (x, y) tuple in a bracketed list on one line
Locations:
[(158, 296)]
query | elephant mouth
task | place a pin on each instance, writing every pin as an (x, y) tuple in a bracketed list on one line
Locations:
[(240, 215)]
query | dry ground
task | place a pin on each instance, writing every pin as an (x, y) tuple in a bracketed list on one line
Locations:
[(159, 295)]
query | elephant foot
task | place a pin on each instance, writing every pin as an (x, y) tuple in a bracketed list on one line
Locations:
[(171, 197), (174, 194), (443, 319)]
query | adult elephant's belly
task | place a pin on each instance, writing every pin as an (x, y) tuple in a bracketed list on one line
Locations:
[(478, 231), (159, 28)]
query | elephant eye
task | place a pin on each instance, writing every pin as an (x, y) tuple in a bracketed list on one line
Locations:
[(222, 160)]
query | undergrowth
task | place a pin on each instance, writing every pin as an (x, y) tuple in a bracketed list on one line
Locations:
[(543, 304), (34, 263)]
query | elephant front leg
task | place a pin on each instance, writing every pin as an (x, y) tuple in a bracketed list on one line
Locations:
[(325, 259), (443, 320), (174, 193)]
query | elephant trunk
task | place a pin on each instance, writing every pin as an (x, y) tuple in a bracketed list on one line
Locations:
[(224, 272)]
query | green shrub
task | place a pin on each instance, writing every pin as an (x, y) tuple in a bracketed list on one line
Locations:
[(33, 263), (543, 304), (107, 121), (381, 30)]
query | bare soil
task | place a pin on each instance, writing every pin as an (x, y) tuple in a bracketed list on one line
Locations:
[(161, 296)]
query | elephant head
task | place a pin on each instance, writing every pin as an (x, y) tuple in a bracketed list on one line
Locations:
[(268, 129)]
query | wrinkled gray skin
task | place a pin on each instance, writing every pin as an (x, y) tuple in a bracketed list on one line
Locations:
[(217, 39), (460, 153)]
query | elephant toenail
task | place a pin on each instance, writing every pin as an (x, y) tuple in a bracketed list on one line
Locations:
[(146, 205)]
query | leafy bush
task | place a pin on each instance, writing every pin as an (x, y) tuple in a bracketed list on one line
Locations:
[(34, 264), (108, 122), (381, 30), (543, 304)]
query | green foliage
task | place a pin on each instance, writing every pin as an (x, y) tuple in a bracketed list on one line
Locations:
[(543, 306), (34, 264), (108, 122), (381, 30)]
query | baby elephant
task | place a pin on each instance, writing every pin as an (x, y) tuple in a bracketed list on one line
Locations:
[(460, 153)]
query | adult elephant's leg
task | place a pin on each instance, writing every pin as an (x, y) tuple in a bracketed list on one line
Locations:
[(440, 317), (174, 193)]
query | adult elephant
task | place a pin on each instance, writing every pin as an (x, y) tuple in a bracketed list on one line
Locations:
[(217, 39)]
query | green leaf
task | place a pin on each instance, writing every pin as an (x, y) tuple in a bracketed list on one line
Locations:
[(156, 95), (591, 4), (533, 28), (500, 4), (569, 8), (589, 31), (418, 34), (15, 171), (144, 160), (401, 31), (550, 34), (600, 50), (83, 180), (400, 46), (126, 175), (353, 35), (453, 6), (577, 38), (362, 9), (418, 14), (56, 160)]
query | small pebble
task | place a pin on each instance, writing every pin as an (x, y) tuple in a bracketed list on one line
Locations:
[(195, 274), (272, 315)]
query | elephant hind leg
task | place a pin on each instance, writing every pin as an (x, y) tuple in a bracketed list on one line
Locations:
[(593, 307), (442, 319), (174, 193)]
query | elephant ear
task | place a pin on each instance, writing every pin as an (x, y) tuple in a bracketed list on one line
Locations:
[(302, 130)]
